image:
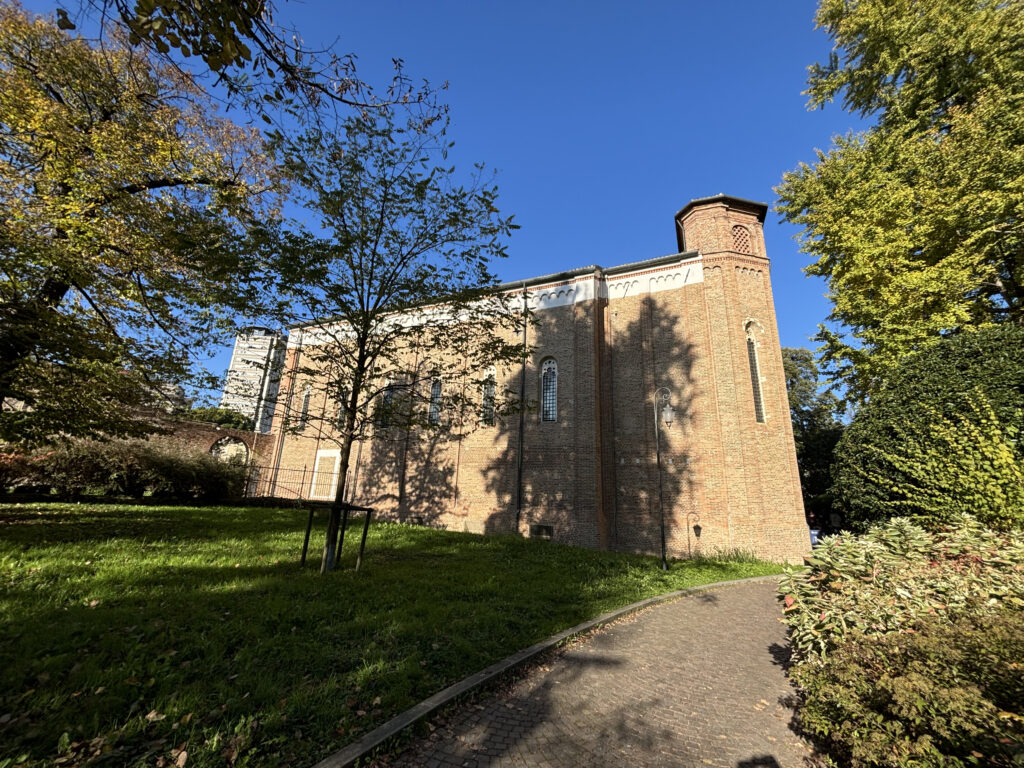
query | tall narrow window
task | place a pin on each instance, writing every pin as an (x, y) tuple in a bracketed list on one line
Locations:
[(342, 420), (755, 374), (385, 407), (487, 389), (304, 412), (549, 391), (434, 411)]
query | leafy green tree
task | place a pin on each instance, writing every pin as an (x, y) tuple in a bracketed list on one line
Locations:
[(918, 223), (939, 428), (223, 416), (816, 430), (395, 287), (126, 202), (239, 42)]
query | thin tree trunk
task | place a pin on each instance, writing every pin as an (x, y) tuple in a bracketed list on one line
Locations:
[(327, 562), (331, 544)]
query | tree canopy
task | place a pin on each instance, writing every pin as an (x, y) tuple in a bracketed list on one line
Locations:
[(265, 65), (816, 430), (402, 323), (917, 224), (928, 415), (126, 201), (223, 416)]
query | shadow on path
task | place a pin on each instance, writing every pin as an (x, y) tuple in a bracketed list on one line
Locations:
[(697, 682)]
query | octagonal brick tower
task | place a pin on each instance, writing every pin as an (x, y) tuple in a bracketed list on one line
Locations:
[(749, 477)]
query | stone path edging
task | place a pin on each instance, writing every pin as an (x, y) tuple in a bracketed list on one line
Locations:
[(348, 756)]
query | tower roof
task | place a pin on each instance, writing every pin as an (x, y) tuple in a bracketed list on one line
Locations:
[(761, 209)]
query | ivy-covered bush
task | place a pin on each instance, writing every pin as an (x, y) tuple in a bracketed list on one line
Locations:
[(940, 695), (935, 398), (897, 573), (953, 465), (159, 468)]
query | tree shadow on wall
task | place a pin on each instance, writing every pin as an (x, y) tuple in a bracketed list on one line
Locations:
[(590, 477), (407, 474)]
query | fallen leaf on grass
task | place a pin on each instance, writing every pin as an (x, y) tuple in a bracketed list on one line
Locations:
[(230, 752), (154, 716)]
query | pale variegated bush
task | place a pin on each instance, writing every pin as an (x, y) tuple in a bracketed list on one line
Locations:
[(898, 572)]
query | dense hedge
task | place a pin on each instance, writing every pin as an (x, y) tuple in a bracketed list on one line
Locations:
[(907, 645), (155, 468), (934, 400), (944, 695)]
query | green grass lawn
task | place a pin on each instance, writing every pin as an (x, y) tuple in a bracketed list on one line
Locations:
[(129, 635)]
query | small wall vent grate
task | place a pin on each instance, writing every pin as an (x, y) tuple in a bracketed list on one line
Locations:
[(541, 531)]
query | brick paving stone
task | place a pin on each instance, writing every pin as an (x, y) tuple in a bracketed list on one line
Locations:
[(693, 683)]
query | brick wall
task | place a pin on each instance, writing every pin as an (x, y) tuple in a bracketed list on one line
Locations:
[(728, 481)]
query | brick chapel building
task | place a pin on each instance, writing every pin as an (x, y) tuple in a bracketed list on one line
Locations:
[(582, 467)]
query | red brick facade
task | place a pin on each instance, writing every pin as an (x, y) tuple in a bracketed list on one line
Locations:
[(700, 323)]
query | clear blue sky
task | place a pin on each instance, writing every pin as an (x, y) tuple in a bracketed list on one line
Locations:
[(604, 118)]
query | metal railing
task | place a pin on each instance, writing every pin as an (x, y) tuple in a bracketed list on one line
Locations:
[(304, 484)]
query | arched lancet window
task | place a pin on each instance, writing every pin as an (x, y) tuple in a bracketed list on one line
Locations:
[(342, 418), (487, 390), (385, 407), (304, 411), (549, 391), (434, 411), (755, 371)]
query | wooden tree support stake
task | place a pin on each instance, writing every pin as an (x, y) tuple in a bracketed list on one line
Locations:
[(305, 542), (362, 544)]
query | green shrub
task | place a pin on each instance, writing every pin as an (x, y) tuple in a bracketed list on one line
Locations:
[(13, 470), (223, 416), (943, 695), (897, 573), (937, 382), (964, 464), (161, 468), (175, 473)]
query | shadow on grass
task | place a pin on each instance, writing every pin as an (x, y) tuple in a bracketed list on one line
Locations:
[(138, 631), (82, 523)]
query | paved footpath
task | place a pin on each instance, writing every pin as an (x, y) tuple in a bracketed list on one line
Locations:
[(695, 682)]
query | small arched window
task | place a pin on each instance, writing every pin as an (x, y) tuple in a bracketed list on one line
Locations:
[(549, 391), (755, 372), (487, 390), (434, 410)]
